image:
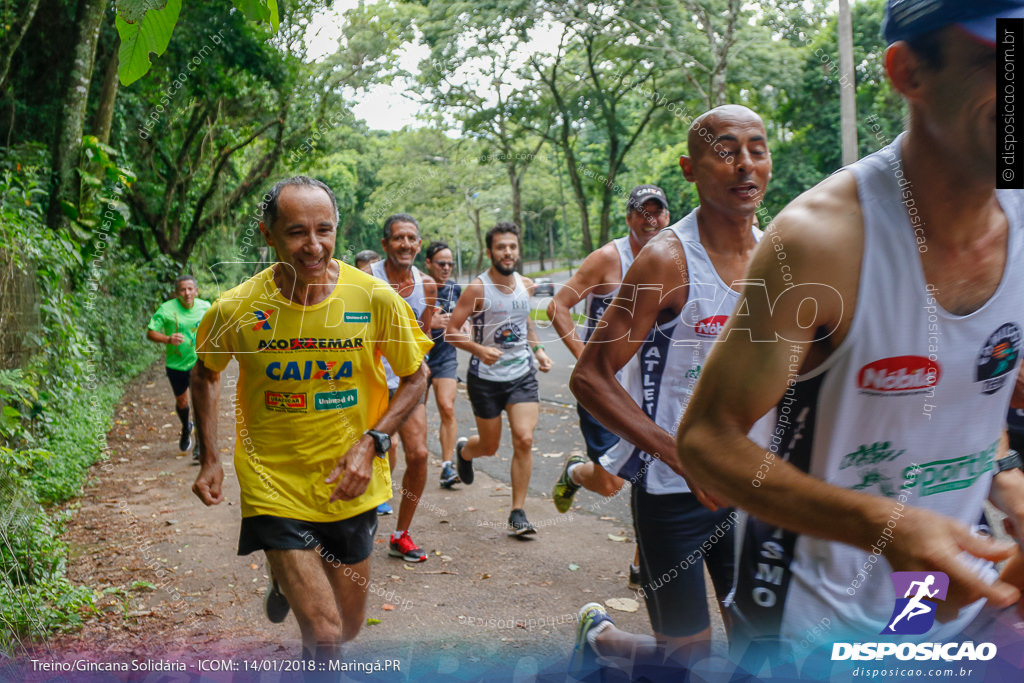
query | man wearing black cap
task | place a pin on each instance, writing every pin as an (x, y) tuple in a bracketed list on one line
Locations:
[(598, 280), (639, 368), (882, 322)]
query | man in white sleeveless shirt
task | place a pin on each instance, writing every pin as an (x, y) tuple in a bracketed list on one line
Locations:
[(401, 243), (501, 372), (672, 303), (597, 281), (882, 323)]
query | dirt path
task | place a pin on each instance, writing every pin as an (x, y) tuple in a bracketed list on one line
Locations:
[(175, 590)]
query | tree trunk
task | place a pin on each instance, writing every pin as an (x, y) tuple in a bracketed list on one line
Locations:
[(67, 144), (14, 36), (580, 196), (479, 241), (847, 85), (517, 193), (108, 95)]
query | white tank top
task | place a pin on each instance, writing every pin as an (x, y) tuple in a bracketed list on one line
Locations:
[(596, 305), (911, 384), (670, 360), (503, 325), (417, 300)]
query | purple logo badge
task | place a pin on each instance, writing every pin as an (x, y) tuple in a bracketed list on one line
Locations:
[(914, 612)]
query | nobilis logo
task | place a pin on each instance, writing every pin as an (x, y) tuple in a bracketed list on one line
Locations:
[(914, 613), (262, 319)]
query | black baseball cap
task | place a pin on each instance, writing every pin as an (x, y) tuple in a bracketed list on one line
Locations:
[(906, 19), (641, 193)]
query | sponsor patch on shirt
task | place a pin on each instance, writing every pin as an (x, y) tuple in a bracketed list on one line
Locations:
[(284, 402), (335, 400)]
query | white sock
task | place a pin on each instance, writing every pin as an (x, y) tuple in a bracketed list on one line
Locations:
[(593, 633), (572, 469)]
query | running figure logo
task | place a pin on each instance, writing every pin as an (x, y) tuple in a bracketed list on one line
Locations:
[(914, 613)]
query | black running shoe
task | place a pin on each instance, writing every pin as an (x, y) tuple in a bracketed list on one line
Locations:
[(195, 451), (275, 604), (185, 440), (465, 467), (518, 523)]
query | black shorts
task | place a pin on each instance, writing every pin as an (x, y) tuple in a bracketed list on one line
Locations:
[(598, 439), (348, 541), (179, 380), (676, 536), (490, 398)]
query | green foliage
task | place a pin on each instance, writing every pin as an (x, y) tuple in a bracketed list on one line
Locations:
[(144, 29), (259, 10), (145, 26), (55, 411), (35, 595)]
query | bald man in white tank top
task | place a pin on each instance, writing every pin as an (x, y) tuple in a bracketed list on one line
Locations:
[(882, 324)]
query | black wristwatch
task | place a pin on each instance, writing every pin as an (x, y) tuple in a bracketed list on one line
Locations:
[(381, 442), (1012, 461)]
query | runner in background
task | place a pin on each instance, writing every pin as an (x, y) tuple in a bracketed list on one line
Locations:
[(598, 280), (443, 360), (174, 324), (501, 374), (401, 243), (365, 259)]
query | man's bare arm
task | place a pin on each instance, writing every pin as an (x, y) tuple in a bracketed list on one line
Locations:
[(743, 379), (205, 386), (589, 277), (1017, 400), (161, 338), (470, 302), (356, 467), (624, 327), (544, 362), (430, 296)]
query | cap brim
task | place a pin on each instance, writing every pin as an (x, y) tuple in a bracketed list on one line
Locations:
[(984, 29), (642, 199)]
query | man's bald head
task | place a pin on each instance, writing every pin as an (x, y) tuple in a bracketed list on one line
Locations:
[(706, 129)]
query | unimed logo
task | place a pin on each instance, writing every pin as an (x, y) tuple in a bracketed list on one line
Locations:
[(899, 375), (711, 327)]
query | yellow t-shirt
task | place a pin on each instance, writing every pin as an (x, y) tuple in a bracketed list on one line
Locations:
[(310, 383)]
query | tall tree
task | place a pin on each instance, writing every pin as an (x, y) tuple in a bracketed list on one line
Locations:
[(67, 143), (601, 77), (15, 28), (472, 82), (209, 124)]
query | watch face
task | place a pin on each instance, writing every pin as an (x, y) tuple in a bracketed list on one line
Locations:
[(381, 441)]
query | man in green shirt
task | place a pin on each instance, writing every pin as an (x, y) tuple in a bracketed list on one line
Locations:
[(174, 324)]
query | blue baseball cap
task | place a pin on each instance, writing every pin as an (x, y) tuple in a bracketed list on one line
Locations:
[(905, 19)]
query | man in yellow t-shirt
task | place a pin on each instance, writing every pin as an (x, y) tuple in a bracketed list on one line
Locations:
[(312, 413)]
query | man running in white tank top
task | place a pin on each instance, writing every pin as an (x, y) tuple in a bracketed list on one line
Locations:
[(597, 280), (882, 322), (501, 373), (401, 243), (672, 303)]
